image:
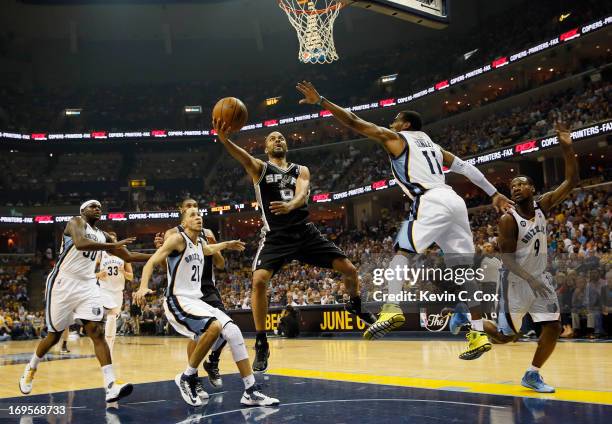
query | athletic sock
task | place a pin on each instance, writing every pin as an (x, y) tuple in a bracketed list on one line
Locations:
[(532, 368), (190, 371), (108, 374), (248, 381), (34, 362), (397, 265), (477, 325)]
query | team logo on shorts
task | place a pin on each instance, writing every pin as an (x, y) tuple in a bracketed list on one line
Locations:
[(96, 311), (552, 307)]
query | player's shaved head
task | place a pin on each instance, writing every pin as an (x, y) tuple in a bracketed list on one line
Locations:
[(522, 189), (276, 145)]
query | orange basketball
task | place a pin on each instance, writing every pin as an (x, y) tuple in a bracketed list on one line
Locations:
[(232, 111)]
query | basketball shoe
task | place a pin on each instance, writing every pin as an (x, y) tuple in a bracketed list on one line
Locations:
[(212, 369), (26, 380), (478, 343), (262, 353), (533, 380), (254, 397), (187, 385), (391, 317), (117, 390)]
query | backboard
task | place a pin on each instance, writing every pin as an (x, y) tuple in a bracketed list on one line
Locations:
[(430, 13)]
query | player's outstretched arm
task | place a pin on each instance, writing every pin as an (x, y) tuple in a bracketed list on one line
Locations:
[(174, 242), (459, 166), (572, 176), (253, 166), (76, 230), (218, 259), (126, 255), (390, 140), (508, 233), (302, 191), (211, 249)]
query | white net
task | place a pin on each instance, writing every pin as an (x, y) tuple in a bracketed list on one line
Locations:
[(313, 21)]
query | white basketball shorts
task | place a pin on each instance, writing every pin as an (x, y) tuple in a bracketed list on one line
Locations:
[(517, 299), (191, 316), (69, 299), (438, 216)]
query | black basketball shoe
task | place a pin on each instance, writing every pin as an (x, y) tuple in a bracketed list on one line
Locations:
[(262, 353)]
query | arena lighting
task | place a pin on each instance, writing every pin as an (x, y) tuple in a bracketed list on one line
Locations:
[(271, 101), (505, 153), (484, 69), (387, 79), (72, 111), (192, 109), (469, 54)]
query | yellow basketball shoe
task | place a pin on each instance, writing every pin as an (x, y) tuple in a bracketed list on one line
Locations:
[(391, 317), (478, 343)]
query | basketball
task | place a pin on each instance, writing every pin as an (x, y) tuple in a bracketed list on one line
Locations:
[(232, 111)]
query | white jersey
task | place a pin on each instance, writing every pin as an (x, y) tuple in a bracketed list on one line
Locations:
[(419, 167), (114, 267), (79, 264), (531, 248), (185, 269)]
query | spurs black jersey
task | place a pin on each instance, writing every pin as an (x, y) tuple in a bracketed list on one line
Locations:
[(208, 273), (277, 184)]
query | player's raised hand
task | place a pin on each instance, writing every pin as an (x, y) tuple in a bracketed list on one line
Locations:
[(223, 129), (501, 203), (563, 133), (140, 297), (235, 245), (311, 95), (280, 208), (159, 240), (124, 242)]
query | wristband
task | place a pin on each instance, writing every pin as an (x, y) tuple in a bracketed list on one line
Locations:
[(320, 102)]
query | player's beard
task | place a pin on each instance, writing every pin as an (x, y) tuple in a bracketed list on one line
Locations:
[(278, 154)]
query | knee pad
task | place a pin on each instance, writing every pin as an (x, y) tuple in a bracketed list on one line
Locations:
[(234, 338)]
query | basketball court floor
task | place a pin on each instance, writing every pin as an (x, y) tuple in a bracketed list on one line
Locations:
[(324, 381)]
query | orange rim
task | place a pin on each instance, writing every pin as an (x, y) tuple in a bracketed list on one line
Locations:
[(288, 9)]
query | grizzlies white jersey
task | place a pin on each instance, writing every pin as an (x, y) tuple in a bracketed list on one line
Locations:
[(531, 242), (114, 267), (419, 167), (185, 269), (79, 264)]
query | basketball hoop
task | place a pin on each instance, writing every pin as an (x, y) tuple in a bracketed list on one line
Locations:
[(314, 26)]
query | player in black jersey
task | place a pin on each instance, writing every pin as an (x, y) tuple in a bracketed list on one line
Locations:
[(209, 289), (282, 190)]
